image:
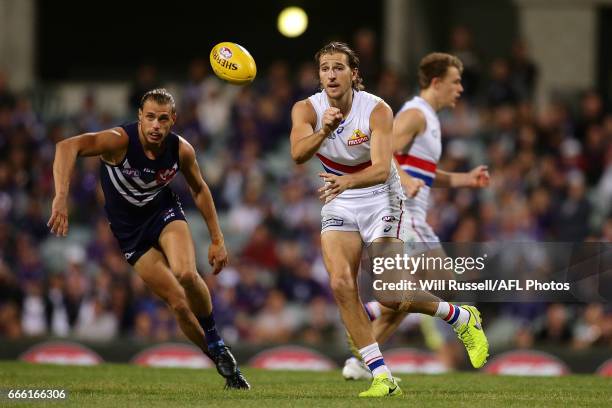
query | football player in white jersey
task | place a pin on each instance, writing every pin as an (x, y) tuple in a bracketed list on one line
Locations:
[(350, 131), (416, 141)]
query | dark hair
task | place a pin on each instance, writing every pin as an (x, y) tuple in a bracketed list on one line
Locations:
[(159, 96), (340, 47), (435, 65)]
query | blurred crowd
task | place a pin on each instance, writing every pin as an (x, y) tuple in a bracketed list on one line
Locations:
[(551, 169)]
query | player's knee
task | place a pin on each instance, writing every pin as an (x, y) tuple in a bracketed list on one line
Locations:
[(342, 285), (187, 277), (393, 305), (398, 307)]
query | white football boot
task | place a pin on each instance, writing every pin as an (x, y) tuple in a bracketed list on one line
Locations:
[(355, 369)]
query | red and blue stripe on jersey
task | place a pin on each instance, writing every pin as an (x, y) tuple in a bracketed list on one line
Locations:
[(417, 167), (339, 169)]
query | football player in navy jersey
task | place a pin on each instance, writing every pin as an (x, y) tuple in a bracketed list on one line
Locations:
[(138, 161)]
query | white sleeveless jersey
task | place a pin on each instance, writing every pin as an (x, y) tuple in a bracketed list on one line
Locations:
[(421, 159), (347, 149)]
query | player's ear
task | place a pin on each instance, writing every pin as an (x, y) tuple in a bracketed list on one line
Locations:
[(173, 116), (139, 114)]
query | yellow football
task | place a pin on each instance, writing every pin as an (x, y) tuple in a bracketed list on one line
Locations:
[(233, 63)]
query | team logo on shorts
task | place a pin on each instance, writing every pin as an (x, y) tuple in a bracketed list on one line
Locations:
[(331, 222), (389, 218), (357, 138), (225, 52)]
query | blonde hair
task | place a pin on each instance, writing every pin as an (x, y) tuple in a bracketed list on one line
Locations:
[(160, 96)]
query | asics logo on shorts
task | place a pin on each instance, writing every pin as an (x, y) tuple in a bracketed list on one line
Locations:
[(128, 255), (331, 222), (388, 228)]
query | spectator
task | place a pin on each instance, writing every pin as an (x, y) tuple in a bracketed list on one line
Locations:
[(146, 79), (275, 323), (501, 90), (462, 46), (95, 321), (7, 97), (554, 328), (523, 71)]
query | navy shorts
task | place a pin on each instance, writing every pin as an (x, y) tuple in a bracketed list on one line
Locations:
[(135, 240)]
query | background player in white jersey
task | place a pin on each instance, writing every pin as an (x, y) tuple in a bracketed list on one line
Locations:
[(418, 147), (350, 131)]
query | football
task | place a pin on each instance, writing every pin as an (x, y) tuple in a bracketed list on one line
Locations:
[(233, 63)]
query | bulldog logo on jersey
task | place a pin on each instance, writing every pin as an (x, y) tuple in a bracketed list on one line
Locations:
[(165, 175), (357, 138)]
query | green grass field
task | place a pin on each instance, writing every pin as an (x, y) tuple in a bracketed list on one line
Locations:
[(117, 385)]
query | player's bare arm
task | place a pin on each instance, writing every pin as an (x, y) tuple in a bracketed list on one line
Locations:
[(109, 144), (217, 254), (305, 142), (406, 126), (381, 125), (478, 177)]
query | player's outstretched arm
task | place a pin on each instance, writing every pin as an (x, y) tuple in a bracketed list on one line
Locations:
[(478, 177), (111, 144), (217, 254), (305, 142)]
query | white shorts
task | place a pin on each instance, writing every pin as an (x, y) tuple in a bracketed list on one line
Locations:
[(376, 216), (420, 237)]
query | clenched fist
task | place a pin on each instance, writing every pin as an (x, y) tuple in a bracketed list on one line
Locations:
[(331, 119)]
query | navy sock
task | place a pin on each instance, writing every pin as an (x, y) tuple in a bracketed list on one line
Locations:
[(213, 339)]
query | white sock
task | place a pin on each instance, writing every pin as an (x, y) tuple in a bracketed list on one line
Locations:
[(373, 358), (452, 314)]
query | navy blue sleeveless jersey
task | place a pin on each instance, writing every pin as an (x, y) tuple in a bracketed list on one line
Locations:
[(139, 202)]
